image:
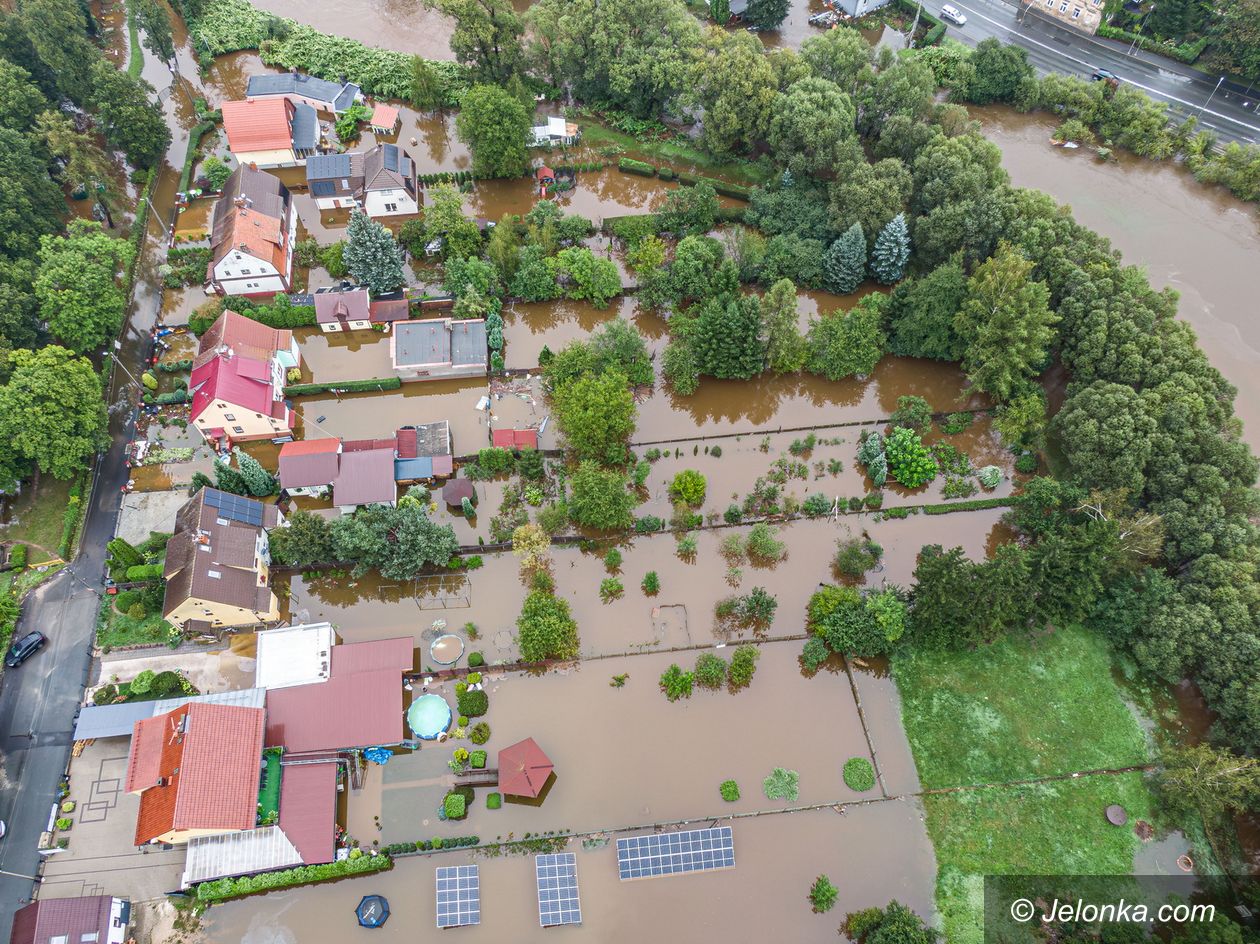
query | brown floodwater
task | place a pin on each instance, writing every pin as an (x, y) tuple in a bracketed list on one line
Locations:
[(1197, 239), (400, 25), (770, 403), (762, 898), (529, 327), (346, 355)]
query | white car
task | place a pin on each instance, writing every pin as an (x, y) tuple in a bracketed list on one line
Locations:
[(954, 15)]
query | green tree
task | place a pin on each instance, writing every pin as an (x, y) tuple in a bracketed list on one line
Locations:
[(921, 314), (304, 540), (258, 480), (868, 194), (155, 24), (688, 487), (125, 113), (1006, 324), (77, 285), (444, 221), (842, 343), (844, 265), (1210, 780), (31, 205), (733, 83), (892, 251), (425, 90), (1108, 434), (785, 347), (841, 55), (596, 415), (399, 542), (546, 629), (909, 461), (812, 123), (1174, 19), (372, 256), (600, 498), (951, 171), (52, 410), (727, 339), (893, 924), (535, 278), (913, 413), (20, 99), (1236, 38), (906, 88), (766, 14), (503, 249), (487, 37), (589, 276), (999, 71), (494, 125), (83, 163), (689, 210), (58, 32), (823, 895)]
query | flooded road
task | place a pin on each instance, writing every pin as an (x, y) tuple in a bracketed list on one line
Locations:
[(1199, 240), (896, 861)]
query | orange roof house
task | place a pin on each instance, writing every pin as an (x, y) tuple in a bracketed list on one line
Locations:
[(270, 132), (197, 771), (251, 236)]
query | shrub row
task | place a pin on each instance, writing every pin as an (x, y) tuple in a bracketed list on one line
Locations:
[(430, 845), (281, 313), (345, 386), (70, 519), (144, 572), (193, 154), (166, 399), (224, 888), (974, 505), (628, 165), (175, 367), (447, 177), (1185, 52)]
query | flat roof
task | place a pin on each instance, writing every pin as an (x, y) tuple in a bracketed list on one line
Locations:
[(294, 655)]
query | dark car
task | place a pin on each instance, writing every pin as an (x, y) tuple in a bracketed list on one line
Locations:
[(24, 648), (1104, 75)]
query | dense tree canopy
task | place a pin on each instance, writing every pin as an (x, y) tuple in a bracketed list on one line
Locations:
[(494, 125), (52, 411), (77, 286)]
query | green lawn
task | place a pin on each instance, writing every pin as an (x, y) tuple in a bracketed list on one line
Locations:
[(35, 518), (1021, 709), (678, 154), (115, 629), (269, 790)]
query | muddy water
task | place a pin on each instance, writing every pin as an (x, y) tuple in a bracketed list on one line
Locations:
[(346, 355), (533, 326), (762, 898), (1199, 240), (790, 402), (400, 25), (372, 415)]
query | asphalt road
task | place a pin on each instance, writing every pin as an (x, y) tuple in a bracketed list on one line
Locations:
[(1230, 110)]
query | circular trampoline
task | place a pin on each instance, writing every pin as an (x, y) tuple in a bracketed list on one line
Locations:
[(446, 650), (429, 716)]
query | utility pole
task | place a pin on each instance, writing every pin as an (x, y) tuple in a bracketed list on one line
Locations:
[(1209, 98)]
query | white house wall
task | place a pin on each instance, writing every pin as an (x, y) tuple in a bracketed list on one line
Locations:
[(375, 200)]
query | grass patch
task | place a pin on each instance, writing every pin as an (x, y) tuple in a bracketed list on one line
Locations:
[(672, 152), (1021, 708), (135, 60), (269, 790), (115, 630), (1048, 829), (36, 518)]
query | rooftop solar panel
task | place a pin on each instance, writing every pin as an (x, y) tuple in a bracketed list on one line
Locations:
[(692, 850), (235, 507), (558, 901), (458, 896), (389, 154)]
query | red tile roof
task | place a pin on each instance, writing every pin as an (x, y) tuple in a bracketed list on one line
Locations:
[(397, 654), (233, 381), (209, 767), (523, 768), (243, 336), (515, 438), (258, 125), (360, 710), (389, 309), (67, 918), (408, 442), (384, 116), (308, 810), (309, 462)]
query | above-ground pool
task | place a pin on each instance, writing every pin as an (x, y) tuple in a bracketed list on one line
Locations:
[(447, 649), (429, 716)]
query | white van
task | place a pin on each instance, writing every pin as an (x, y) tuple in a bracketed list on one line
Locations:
[(954, 15)]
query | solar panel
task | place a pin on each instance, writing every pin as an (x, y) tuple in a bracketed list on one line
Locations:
[(389, 153), (458, 896), (692, 850), (558, 901), (235, 507), (323, 188)]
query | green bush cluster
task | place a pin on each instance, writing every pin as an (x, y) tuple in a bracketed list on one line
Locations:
[(494, 801), (628, 165), (428, 845), (454, 806), (344, 386), (144, 572), (224, 888), (175, 367), (729, 790), (476, 659), (17, 556), (859, 775), (473, 704), (477, 760)]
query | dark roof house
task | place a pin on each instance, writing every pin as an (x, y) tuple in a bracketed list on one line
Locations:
[(335, 176), (98, 919), (330, 96), (387, 167)]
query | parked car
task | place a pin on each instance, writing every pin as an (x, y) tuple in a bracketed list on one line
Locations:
[(954, 15), (1104, 75), (24, 648)]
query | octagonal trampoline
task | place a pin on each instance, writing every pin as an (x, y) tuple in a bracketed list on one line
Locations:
[(429, 717)]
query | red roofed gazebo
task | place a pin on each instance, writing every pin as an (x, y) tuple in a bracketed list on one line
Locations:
[(524, 769)]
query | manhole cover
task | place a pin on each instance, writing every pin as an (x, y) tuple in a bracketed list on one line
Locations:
[(1117, 815)]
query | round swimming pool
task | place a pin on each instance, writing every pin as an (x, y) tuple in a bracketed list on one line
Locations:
[(429, 716), (447, 649)]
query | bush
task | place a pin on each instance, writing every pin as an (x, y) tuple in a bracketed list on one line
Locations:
[(859, 775), (477, 760), (743, 665), (909, 461), (473, 704), (630, 166), (610, 588), (494, 801), (612, 560), (763, 545), (476, 659), (167, 684), (956, 423), (105, 695), (817, 505), (1026, 463), (648, 523), (782, 784), (676, 683), (814, 654), (144, 572), (874, 501), (913, 413), (729, 790), (454, 806), (733, 514), (688, 486), (651, 585), (855, 556), (224, 888), (142, 683), (480, 733), (17, 557), (126, 599), (710, 670), (990, 476), (823, 894)]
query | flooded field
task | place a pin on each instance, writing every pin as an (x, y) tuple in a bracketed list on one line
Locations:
[(345, 355), (1198, 240), (896, 861)]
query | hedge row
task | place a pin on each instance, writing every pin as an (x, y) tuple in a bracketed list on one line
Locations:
[(175, 367), (936, 28), (974, 505), (430, 845), (344, 386), (144, 572), (1186, 52), (628, 165), (167, 399), (193, 154), (279, 314), (222, 889), (71, 518)]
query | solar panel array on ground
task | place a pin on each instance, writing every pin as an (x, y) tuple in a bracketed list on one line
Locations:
[(558, 901), (458, 896), (691, 850)]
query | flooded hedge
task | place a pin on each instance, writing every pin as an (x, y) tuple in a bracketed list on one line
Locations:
[(223, 889)]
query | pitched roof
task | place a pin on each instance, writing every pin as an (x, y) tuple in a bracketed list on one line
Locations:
[(515, 438), (384, 310), (258, 124), (242, 335), (69, 919), (366, 476), (397, 654), (387, 166), (337, 94), (333, 166), (523, 768), (304, 127), (259, 190), (345, 305), (309, 462), (308, 810), (247, 230), (231, 380), (208, 769), (384, 116)]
